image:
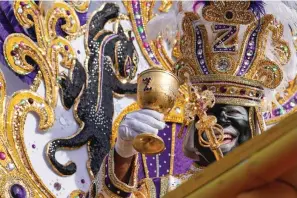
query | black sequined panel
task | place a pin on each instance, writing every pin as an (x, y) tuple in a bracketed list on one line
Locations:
[(95, 90), (71, 89)]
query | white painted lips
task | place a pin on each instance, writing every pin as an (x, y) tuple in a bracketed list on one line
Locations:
[(230, 135), (228, 138)]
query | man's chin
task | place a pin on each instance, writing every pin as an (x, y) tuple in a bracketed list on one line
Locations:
[(226, 148)]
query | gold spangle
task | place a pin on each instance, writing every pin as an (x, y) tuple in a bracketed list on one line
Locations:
[(2, 103), (77, 193), (36, 82), (228, 12), (176, 52), (60, 46), (61, 10), (80, 6), (34, 52), (81, 32), (172, 155), (165, 6)]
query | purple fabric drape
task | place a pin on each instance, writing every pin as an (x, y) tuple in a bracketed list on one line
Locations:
[(181, 163)]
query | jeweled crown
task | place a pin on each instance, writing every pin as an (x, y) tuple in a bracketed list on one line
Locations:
[(232, 52)]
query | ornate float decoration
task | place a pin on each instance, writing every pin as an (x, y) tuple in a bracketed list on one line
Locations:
[(25, 57), (39, 57)]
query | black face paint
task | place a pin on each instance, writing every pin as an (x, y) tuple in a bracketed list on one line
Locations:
[(235, 121)]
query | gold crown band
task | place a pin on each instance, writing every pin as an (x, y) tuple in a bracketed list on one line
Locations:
[(228, 89)]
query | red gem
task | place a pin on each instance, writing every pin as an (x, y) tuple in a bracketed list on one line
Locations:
[(30, 100), (13, 53), (23, 3), (242, 92), (204, 88), (68, 12), (223, 89), (146, 44), (2, 156)]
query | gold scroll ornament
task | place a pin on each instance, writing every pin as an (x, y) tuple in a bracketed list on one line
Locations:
[(15, 165)]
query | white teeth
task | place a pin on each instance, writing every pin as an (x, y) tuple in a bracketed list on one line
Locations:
[(227, 136)]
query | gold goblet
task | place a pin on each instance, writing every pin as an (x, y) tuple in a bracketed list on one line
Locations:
[(157, 89)]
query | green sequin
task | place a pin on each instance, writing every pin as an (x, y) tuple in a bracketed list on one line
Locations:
[(140, 29)]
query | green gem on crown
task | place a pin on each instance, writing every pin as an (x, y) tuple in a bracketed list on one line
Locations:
[(140, 29)]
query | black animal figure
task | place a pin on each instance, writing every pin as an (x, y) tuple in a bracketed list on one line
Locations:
[(111, 56)]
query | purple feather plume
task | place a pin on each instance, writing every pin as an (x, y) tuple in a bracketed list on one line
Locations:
[(257, 7), (198, 4)]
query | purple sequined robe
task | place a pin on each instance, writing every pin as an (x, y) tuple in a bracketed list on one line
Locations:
[(150, 175)]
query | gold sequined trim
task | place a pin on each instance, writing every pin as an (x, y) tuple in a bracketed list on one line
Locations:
[(252, 121), (260, 119), (164, 186), (151, 188), (100, 185), (116, 182), (220, 11), (172, 153), (145, 166)]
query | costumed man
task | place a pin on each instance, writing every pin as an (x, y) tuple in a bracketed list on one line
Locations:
[(239, 55)]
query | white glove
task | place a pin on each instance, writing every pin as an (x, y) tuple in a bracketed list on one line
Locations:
[(135, 123)]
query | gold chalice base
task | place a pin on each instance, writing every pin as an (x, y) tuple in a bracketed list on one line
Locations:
[(148, 144)]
